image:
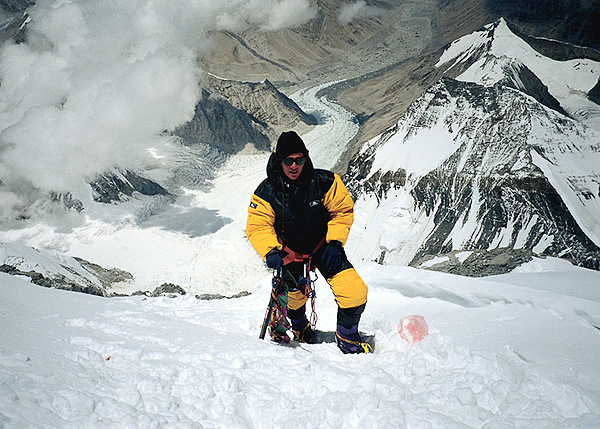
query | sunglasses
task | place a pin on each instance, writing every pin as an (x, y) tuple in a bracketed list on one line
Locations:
[(290, 161)]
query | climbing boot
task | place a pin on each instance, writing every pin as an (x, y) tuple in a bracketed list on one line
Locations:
[(303, 332), (349, 341)]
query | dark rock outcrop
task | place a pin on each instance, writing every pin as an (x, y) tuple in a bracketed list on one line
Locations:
[(168, 289), (521, 78), (594, 93), (478, 263), (219, 124), (16, 6), (107, 276), (14, 28), (115, 187), (56, 282), (261, 100)]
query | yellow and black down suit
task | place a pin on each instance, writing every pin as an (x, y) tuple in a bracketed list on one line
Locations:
[(299, 215)]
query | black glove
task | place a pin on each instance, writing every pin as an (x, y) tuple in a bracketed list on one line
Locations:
[(274, 260), (332, 256)]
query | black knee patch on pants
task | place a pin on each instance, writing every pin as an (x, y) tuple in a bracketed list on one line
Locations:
[(348, 317), (296, 314)]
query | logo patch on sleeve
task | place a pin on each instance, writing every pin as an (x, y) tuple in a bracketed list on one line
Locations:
[(253, 205)]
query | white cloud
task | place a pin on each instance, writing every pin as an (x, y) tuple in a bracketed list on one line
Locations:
[(357, 10), (98, 80), (268, 15)]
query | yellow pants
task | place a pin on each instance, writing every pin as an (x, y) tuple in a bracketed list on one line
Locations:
[(348, 288)]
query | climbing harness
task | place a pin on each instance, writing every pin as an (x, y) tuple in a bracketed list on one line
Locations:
[(276, 315), (306, 283)]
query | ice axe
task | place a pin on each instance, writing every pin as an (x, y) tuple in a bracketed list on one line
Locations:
[(271, 305)]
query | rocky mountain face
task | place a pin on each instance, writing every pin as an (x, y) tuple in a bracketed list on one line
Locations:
[(118, 186), (594, 93), (476, 167), (15, 6), (263, 101), (232, 114), (14, 28), (219, 124)]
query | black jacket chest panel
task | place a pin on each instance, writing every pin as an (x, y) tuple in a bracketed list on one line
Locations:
[(300, 217)]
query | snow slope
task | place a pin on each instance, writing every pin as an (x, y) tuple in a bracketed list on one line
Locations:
[(518, 351), (452, 173), (568, 81)]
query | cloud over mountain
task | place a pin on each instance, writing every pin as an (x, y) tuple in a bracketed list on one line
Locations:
[(357, 10), (96, 82)]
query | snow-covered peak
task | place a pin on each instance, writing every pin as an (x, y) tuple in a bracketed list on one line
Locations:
[(481, 165), (495, 38), (471, 46), (495, 53)]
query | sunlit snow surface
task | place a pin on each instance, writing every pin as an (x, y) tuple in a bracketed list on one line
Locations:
[(518, 350)]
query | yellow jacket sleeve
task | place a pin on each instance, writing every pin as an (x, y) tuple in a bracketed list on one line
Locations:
[(341, 207), (260, 228)]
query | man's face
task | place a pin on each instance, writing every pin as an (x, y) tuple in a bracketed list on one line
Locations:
[(293, 171)]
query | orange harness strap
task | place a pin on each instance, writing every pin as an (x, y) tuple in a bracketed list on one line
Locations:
[(308, 291), (298, 257)]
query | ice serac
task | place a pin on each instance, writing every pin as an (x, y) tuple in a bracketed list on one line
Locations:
[(486, 165)]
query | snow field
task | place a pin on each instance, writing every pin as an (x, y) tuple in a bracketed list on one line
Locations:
[(514, 357)]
